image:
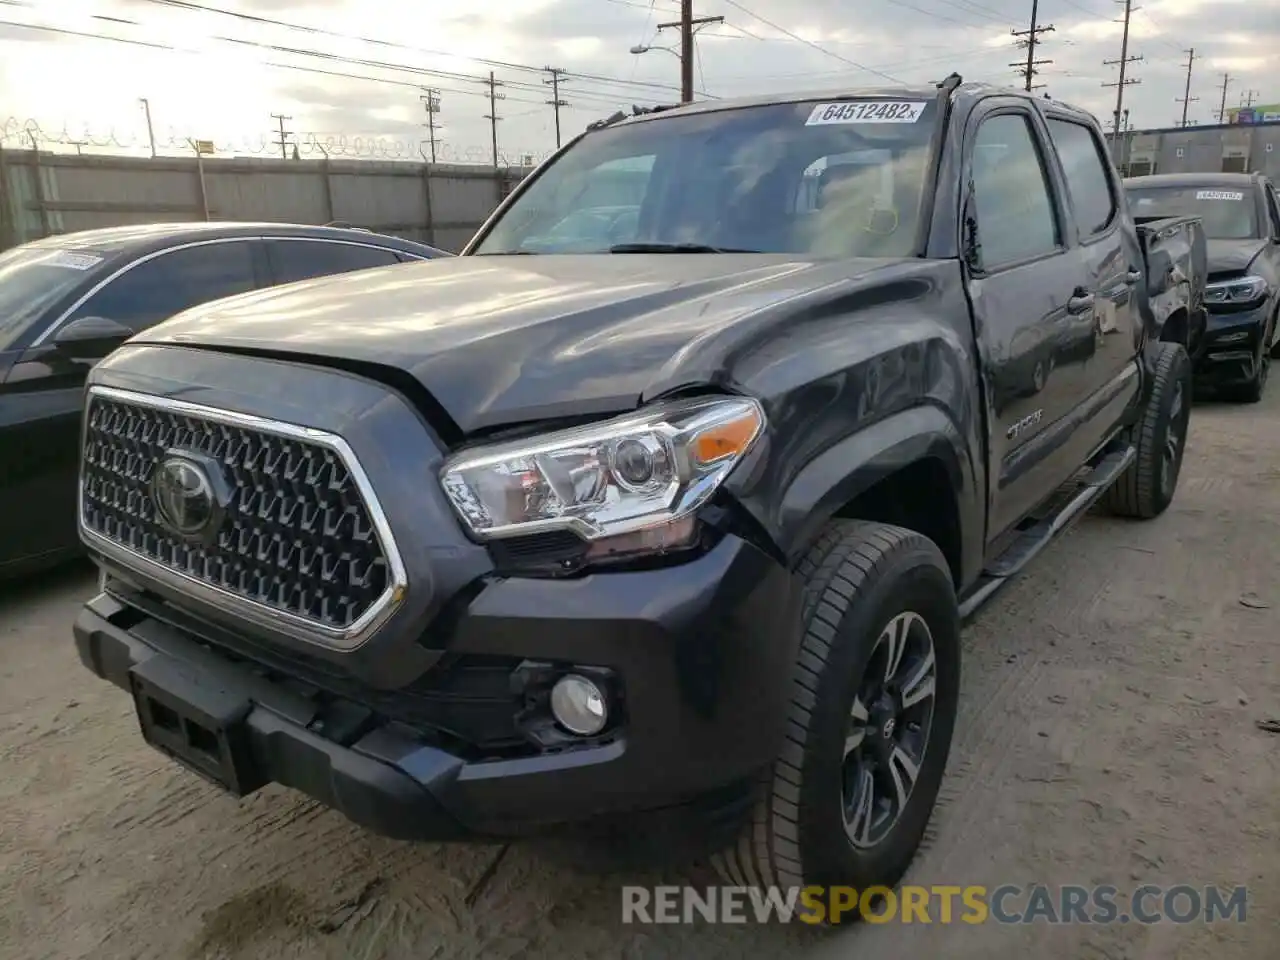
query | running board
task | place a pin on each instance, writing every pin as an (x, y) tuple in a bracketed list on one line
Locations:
[(1083, 494)]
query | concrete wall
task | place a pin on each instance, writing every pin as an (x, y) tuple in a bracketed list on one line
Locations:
[(1251, 148), (441, 204)]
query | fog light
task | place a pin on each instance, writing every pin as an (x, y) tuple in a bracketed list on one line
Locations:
[(578, 705)]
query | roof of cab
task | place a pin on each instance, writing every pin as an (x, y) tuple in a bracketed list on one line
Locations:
[(139, 237), (903, 92)]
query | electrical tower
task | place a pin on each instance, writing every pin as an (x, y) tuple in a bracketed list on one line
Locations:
[(1222, 108), (686, 25), (557, 77), (1187, 99), (1123, 63), (283, 142), (492, 115), (1030, 38), (431, 102)]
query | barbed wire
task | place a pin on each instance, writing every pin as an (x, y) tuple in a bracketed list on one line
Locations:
[(26, 133)]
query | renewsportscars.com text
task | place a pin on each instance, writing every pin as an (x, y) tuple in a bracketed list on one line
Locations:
[(1006, 904)]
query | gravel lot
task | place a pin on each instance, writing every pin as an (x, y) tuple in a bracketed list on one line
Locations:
[(1108, 735)]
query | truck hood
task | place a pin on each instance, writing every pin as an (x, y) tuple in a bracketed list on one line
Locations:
[(501, 340), (1226, 255)]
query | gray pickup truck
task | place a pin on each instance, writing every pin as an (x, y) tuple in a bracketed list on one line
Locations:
[(661, 524)]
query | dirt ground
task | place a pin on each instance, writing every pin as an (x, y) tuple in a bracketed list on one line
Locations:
[(1108, 735)]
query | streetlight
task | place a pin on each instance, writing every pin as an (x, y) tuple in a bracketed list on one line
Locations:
[(640, 48)]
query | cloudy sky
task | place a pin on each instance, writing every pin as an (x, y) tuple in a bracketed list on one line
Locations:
[(349, 74)]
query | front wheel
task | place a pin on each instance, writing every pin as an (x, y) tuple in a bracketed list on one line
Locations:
[(1146, 488), (873, 707)]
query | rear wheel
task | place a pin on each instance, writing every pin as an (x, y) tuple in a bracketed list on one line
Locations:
[(1146, 488), (873, 707)]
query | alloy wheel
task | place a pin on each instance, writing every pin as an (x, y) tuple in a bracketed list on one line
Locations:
[(889, 724)]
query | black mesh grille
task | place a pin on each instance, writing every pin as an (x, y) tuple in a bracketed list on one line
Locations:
[(296, 535)]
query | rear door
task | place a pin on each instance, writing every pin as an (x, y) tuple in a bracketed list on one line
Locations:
[(1103, 340), (42, 448), (292, 259), (1028, 287)]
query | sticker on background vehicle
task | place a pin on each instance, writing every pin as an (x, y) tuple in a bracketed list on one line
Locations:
[(1218, 195), (866, 111), (73, 261)]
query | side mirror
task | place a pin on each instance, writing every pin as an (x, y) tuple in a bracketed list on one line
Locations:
[(91, 338)]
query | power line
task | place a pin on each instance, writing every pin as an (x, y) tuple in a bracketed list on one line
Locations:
[(603, 96), (1123, 63), (320, 31), (1032, 36), (1187, 99), (809, 43)]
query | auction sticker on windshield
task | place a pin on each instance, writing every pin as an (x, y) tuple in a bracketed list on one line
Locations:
[(1218, 195), (866, 111)]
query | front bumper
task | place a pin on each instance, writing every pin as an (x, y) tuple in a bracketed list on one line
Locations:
[(701, 654), (1231, 347)]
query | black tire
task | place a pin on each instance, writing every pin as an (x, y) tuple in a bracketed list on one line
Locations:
[(859, 579), (1146, 489)]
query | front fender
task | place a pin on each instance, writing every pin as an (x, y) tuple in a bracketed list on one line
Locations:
[(794, 514)]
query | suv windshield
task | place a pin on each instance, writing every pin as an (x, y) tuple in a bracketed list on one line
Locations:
[(1228, 213), (31, 278), (840, 179)]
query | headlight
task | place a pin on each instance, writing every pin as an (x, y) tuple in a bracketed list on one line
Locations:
[(1243, 290), (638, 478)]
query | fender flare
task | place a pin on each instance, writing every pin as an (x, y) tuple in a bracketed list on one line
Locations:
[(862, 459)]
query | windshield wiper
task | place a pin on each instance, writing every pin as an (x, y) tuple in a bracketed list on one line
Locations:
[(673, 248)]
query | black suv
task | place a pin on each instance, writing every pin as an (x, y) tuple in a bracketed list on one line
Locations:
[(1240, 213), (674, 513)]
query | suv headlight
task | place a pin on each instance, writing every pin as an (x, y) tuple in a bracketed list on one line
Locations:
[(1241, 290), (623, 485)]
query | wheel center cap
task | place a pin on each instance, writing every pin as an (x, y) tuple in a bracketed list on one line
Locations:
[(888, 728)]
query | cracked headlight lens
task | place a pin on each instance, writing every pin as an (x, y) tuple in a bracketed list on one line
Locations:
[(643, 473)]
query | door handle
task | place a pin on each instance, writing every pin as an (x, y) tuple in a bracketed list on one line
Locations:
[(1080, 303), (1133, 276)]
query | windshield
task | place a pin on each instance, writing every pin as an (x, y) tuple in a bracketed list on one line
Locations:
[(1228, 214), (31, 278), (815, 179)]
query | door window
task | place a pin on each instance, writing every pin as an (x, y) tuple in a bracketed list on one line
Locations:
[(1273, 209), (1085, 165), (303, 259), (1013, 205), (172, 282)]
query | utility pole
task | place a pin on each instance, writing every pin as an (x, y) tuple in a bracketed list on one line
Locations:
[(555, 101), (1247, 99), (431, 100), (283, 142), (1187, 98), (492, 115), (1222, 109), (686, 24), (151, 134), (1123, 62), (1032, 36)]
